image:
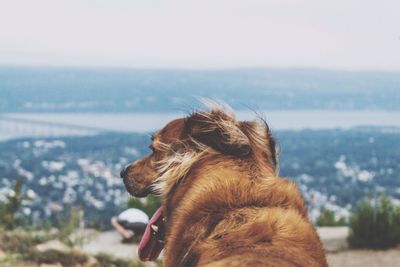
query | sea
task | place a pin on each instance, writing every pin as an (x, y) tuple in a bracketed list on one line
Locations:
[(150, 122)]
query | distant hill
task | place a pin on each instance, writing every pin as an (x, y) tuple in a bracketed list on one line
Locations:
[(136, 90)]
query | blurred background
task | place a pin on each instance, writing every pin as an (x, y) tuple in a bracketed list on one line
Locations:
[(84, 83)]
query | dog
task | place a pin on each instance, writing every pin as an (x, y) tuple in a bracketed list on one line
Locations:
[(223, 202)]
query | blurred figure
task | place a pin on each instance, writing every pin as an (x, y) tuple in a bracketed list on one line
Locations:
[(131, 224)]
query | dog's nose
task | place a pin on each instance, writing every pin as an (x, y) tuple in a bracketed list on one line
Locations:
[(122, 174)]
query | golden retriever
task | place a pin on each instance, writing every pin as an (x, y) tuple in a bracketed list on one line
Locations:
[(224, 204)]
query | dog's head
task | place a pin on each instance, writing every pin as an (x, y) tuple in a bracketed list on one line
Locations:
[(183, 142)]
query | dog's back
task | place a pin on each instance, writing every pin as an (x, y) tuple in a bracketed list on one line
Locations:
[(267, 237), (241, 221)]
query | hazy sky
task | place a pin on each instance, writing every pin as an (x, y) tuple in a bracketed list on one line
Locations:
[(339, 34)]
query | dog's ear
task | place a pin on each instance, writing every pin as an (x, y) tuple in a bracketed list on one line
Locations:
[(219, 131)]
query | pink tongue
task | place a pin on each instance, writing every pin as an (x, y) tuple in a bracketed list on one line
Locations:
[(151, 244)]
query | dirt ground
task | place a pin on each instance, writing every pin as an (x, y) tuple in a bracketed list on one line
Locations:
[(365, 258), (349, 258), (109, 242)]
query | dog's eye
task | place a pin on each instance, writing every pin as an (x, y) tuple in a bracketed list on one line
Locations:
[(151, 147)]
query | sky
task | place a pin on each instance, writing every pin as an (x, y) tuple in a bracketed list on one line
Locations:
[(340, 34)]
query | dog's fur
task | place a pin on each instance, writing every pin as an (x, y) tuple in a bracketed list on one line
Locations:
[(223, 201)]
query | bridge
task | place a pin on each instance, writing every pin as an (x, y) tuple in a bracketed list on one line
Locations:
[(18, 126)]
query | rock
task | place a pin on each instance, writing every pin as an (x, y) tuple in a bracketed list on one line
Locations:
[(109, 242), (2, 255), (51, 265), (91, 262), (81, 236), (53, 244), (45, 233), (334, 238)]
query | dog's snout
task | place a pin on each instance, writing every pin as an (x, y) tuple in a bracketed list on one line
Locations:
[(122, 174)]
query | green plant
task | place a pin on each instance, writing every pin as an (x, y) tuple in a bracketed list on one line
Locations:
[(149, 205), (22, 241), (327, 218), (67, 259), (68, 224), (22, 245), (375, 224), (106, 260), (9, 218)]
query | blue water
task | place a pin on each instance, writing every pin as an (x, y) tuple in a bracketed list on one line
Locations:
[(278, 120)]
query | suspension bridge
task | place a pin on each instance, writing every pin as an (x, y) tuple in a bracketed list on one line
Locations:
[(28, 127)]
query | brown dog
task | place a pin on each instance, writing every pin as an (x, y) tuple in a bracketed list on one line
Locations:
[(223, 202)]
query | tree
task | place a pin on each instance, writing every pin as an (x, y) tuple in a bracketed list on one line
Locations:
[(8, 210), (375, 224)]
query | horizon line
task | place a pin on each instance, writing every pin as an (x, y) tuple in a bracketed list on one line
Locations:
[(174, 68)]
